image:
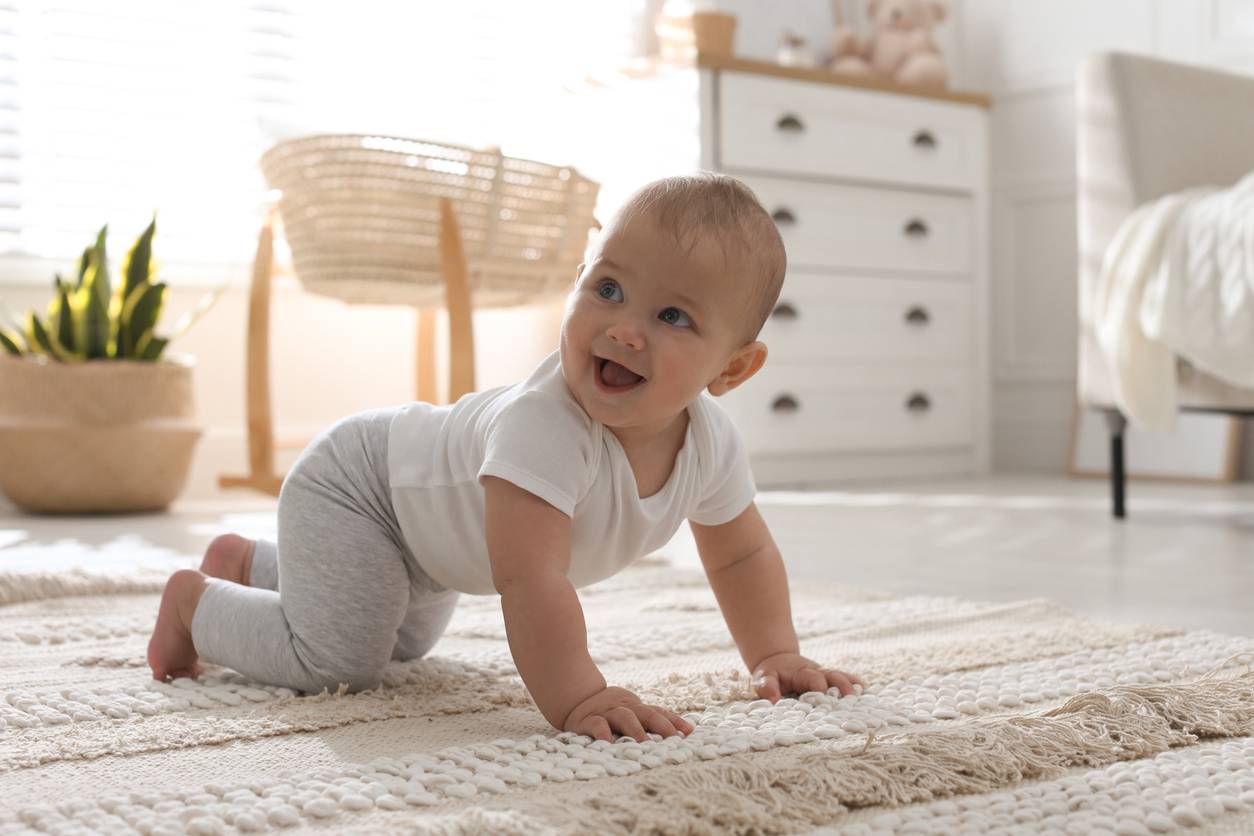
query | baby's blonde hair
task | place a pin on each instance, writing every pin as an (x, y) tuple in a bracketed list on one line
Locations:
[(691, 206)]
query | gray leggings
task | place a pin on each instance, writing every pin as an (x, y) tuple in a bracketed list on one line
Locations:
[(341, 594)]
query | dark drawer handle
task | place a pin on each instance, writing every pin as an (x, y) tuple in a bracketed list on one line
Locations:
[(790, 123), (785, 403), (918, 402), (784, 310), (918, 315), (916, 228), (784, 216), (924, 139)]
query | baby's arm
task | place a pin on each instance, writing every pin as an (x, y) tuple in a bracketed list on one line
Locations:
[(747, 575), (529, 547)]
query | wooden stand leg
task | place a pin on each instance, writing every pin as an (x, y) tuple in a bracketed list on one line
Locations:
[(424, 362), (461, 378), (260, 423)]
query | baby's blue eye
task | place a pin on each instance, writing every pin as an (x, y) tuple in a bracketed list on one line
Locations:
[(608, 289), (676, 317)]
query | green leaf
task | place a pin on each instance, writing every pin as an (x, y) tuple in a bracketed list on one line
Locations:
[(92, 319), (151, 346), (142, 311), (37, 337), (100, 260), (61, 318), (8, 339), (137, 266), (137, 270), (83, 263)]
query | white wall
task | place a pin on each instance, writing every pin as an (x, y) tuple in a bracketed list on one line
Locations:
[(1024, 53)]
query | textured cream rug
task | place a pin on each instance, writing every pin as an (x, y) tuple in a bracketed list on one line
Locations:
[(977, 718)]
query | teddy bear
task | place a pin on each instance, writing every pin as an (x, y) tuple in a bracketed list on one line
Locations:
[(900, 48)]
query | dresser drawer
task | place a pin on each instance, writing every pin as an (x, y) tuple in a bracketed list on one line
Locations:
[(798, 127), (859, 228), (825, 319), (791, 408)]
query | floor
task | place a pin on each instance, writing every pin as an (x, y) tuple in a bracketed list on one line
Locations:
[(1184, 556)]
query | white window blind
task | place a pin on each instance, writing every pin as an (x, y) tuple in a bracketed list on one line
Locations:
[(109, 111)]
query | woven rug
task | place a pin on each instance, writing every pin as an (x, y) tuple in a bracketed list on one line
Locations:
[(977, 718)]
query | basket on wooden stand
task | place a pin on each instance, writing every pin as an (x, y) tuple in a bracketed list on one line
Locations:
[(386, 220)]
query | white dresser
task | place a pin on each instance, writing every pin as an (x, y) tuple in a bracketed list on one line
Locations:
[(878, 363)]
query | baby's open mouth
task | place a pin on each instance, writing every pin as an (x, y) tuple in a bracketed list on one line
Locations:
[(616, 377)]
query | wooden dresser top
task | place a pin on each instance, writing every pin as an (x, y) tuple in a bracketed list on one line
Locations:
[(744, 65)]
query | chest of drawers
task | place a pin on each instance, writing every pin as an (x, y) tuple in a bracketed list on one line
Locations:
[(878, 348)]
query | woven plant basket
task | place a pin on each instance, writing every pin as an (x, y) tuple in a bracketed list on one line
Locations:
[(361, 216), (100, 436)]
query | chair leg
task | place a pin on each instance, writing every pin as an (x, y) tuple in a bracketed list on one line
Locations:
[(1117, 423)]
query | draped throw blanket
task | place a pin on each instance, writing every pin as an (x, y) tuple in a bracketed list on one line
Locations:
[(1177, 282)]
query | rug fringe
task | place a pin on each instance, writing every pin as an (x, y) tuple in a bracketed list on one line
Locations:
[(21, 587), (736, 795)]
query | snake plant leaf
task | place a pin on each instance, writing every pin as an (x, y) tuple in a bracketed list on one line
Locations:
[(137, 269), (83, 263), (189, 318), (8, 340), (37, 336), (137, 265), (91, 318), (100, 260), (61, 318), (141, 312), (150, 347)]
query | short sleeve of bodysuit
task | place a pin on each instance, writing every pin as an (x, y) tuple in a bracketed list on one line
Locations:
[(543, 444), (728, 479)]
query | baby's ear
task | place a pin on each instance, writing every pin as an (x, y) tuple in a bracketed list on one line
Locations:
[(743, 365)]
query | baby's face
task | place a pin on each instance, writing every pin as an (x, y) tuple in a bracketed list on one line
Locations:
[(648, 326)]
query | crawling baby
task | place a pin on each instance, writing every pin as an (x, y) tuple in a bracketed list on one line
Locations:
[(531, 491)]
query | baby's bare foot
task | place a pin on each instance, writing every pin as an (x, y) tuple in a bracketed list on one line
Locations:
[(171, 653), (229, 556)]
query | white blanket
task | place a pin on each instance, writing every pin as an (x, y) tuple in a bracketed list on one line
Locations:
[(1177, 281)]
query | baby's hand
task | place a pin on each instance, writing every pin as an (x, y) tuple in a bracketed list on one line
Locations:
[(789, 673), (617, 710)]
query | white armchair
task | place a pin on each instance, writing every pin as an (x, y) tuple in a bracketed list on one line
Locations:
[(1146, 128)]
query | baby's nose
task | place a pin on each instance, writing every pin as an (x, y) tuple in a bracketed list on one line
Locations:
[(626, 333)]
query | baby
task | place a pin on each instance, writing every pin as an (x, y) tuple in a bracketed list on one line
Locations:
[(531, 491)]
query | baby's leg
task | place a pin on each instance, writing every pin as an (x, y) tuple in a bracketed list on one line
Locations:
[(428, 615), (343, 591), (230, 557)]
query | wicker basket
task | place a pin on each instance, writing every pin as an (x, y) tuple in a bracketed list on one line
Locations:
[(107, 435), (361, 215)]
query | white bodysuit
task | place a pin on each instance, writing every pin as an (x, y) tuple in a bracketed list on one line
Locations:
[(537, 436)]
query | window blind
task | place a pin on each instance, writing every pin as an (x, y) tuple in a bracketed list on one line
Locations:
[(111, 111)]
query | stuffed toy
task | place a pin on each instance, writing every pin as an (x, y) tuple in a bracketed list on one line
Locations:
[(900, 48)]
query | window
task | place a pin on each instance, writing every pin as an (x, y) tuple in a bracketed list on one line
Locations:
[(109, 111)]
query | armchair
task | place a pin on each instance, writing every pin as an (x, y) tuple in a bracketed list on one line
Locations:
[(1145, 128)]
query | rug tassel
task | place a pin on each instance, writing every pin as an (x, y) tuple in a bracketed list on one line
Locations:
[(1096, 729)]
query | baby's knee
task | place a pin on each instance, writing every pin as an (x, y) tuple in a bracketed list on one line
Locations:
[(225, 556)]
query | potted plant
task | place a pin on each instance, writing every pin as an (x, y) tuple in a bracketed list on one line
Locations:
[(94, 416)]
